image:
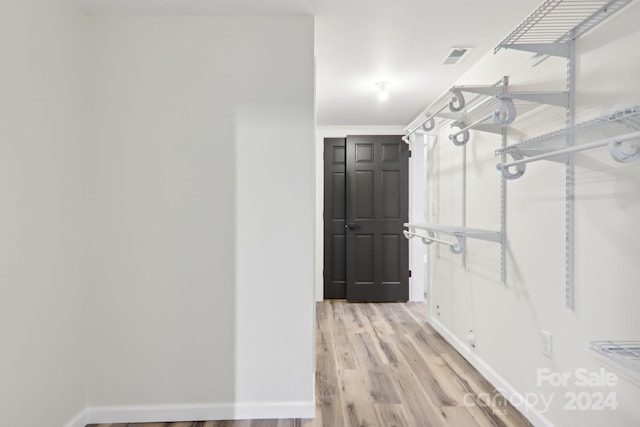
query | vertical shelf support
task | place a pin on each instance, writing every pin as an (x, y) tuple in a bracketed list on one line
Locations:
[(463, 216), (570, 185), (503, 204), (503, 215)]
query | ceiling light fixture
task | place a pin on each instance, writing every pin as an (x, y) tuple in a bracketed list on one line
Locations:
[(383, 91)]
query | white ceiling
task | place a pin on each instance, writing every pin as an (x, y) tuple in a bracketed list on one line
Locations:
[(201, 7), (361, 42)]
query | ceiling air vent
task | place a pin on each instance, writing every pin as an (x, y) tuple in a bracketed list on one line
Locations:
[(456, 55)]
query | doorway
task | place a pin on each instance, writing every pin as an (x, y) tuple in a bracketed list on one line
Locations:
[(366, 257)]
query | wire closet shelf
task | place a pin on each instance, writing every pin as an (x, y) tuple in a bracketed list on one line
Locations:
[(491, 109), (620, 131), (549, 28), (454, 107), (625, 353)]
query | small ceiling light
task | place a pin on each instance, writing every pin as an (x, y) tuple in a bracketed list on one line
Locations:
[(383, 91)]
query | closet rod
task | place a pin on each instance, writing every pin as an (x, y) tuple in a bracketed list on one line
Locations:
[(454, 247), (429, 117), (425, 239), (595, 144)]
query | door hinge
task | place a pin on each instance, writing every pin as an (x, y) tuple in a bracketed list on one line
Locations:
[(409, 273), (409, 153)]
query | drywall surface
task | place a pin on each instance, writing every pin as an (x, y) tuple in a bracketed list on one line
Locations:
[(508, 318), (203, 197), (42, 224)]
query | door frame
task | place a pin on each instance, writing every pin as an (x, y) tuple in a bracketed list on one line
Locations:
[(416, 283)]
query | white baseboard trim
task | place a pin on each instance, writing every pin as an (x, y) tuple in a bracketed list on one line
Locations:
[(197, 412), (79, 420), (535, 417)]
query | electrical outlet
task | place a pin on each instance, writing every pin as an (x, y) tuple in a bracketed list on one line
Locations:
[(547, 344), (471, 337)]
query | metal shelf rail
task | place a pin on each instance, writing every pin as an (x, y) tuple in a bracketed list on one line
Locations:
[(549, 30), (613, 130), (625, 353), (459, 233)]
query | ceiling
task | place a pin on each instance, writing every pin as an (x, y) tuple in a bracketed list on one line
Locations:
[(361, 42), (201, 7), (404, 42)]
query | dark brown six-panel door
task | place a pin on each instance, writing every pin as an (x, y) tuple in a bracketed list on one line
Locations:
[(377, 208), (366, 204), (335, 211)]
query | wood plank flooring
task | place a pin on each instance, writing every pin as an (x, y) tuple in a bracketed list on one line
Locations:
[(382, 365)]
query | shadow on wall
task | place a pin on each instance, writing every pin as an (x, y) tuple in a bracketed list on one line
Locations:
[(163, 193), (274, 260)]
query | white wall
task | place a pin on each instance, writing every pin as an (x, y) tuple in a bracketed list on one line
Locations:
[(42, 220), (202, 291), (157, 225), (416, 184), (508, 317)]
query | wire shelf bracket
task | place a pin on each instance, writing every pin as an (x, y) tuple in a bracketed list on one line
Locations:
[(625, 353), (558, 99), (551, 27)]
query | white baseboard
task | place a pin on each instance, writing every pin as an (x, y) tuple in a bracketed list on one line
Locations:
[(79, 420), (535, 417), (176, 413)]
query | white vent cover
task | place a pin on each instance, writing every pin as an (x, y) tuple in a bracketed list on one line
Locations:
[(456, 54)]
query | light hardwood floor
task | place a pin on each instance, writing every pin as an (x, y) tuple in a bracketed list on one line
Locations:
[(382, 365)]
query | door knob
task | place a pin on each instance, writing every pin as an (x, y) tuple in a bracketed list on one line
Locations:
[(351, 226)]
